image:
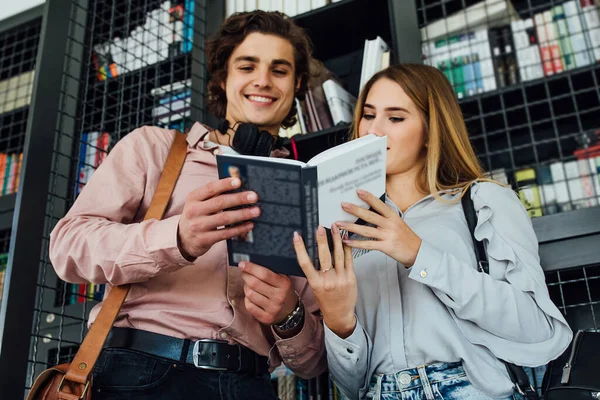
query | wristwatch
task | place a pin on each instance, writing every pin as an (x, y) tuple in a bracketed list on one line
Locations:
[(293, 319)]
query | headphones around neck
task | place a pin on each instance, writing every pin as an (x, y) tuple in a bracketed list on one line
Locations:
[(249, 140)]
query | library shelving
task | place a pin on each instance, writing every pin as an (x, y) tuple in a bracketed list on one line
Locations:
[(104, 68)]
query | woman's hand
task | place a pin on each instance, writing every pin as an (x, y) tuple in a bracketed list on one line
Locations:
[(334, 285), (391, 234)]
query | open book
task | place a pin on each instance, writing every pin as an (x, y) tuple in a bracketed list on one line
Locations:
[(297, 196)]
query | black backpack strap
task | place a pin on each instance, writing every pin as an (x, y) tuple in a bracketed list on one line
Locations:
[(517, 373)]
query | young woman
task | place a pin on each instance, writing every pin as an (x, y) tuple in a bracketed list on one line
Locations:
[(407, 314)]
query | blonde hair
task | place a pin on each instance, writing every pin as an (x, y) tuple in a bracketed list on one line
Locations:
[(451, 163)]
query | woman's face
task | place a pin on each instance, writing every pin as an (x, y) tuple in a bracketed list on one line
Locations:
[(388, 111)]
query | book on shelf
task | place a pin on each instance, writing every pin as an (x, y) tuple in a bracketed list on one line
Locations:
[(289, 7), (490, 40), (376, 56), (168, 31), (10, 170), (483, 14), (92, 151), (529, 192), (297, 196), (16, 91)]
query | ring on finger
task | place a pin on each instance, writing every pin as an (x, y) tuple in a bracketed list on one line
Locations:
[(327, 269)]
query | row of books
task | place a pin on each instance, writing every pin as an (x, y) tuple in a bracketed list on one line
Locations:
[(288, 7), (92, 151), (3, 264), (556, 187), (488, 57), (327, 102), (291, 387), (73, 293), (15, 92), (172, 103), (10, 169), (324, 106), (168, 31)]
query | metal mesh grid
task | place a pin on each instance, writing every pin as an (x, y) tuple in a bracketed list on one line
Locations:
[(18, 49), (526, 73), (136, 69), (576, 292)]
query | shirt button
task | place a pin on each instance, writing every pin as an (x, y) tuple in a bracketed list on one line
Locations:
[(224, 335), (232, 302), (286, 347), (423, 273), (349, 350)]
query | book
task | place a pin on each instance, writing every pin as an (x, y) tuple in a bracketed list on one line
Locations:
[(297, 196)]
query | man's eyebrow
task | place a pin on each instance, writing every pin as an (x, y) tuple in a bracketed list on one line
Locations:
[(255, 59), (282, 61), (245, 58)]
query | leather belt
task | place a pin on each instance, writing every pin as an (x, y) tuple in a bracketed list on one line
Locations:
[(206, 354)]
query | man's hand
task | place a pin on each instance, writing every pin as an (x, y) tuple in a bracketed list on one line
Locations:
[(269, 295), (204, 222)]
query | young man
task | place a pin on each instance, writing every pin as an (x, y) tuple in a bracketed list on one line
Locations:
[(185, 300)]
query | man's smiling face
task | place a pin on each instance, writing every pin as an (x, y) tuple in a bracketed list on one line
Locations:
[(260, 85)]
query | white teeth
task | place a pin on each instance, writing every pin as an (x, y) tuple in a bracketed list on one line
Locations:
[(260, 99)]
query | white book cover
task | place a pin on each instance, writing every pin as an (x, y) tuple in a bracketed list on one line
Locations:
[(290, 8), (595, 168), (314, 4), (574, 183), (303, 6), (560, 185), (250, 5), (483, 14), (374, 50), (536, 69), (581, 50), (277, 5), (230, 7), (587, 183), (341, 102), (591, 17), (264, 5)]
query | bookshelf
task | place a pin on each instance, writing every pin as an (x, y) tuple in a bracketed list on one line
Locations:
[(78, 99)]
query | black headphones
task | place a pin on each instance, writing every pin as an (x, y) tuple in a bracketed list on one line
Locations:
[(249, 140)]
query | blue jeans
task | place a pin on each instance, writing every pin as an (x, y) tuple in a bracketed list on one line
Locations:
[(439, 381), (122, 374)]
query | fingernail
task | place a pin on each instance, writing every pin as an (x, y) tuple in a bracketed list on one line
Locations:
[(340, 225), (345, 237), (255, 211), (296, 237), (335, 229), (345, 205), (361, 192), (236, 182), (242, 264), (252, 197), (320, 231)]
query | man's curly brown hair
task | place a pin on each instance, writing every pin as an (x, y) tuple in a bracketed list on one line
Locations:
[(232, 32)]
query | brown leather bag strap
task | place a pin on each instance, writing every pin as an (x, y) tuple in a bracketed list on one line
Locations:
[(89, 351)]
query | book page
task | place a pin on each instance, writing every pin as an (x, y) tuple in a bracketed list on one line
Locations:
[(342, 149), (340, 177)]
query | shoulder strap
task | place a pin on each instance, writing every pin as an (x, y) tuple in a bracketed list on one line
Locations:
[(517, 374), (90, 348)]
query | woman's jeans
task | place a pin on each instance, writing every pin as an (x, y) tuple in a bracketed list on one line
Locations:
[(127, 374), (439, 381)]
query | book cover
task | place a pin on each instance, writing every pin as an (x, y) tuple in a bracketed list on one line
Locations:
[(297, 197)]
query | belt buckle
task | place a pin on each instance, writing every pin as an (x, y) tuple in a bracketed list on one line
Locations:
[(196, 351)]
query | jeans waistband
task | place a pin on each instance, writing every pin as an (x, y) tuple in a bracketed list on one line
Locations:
[(411, 378)]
